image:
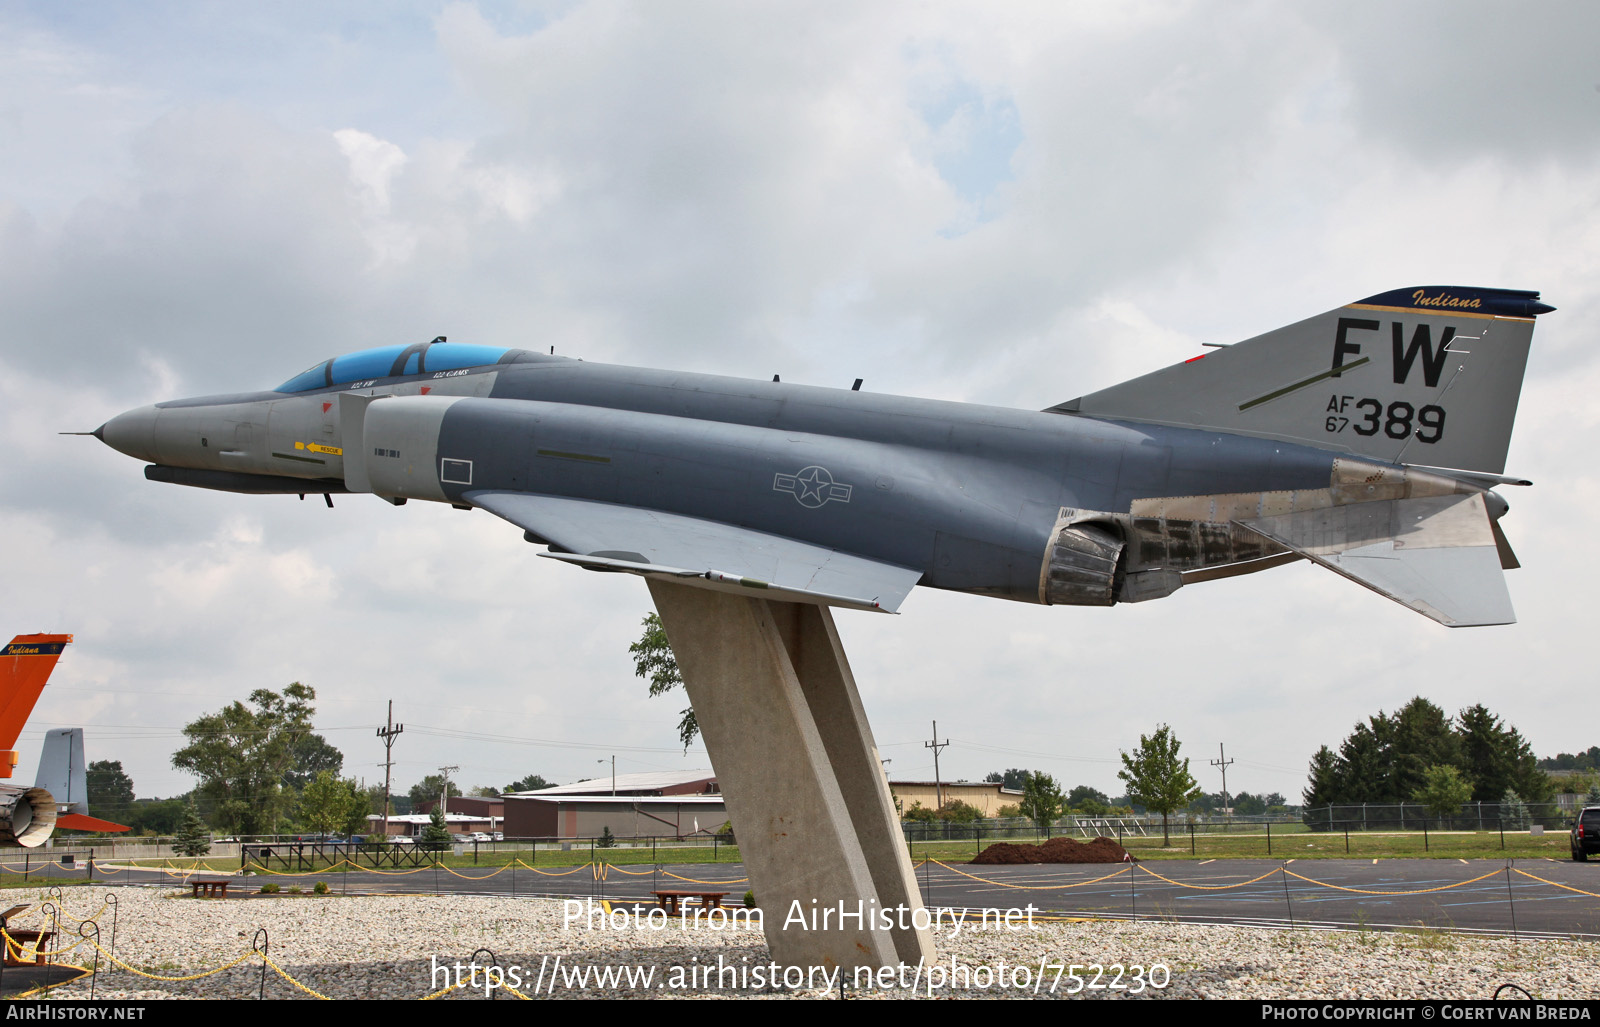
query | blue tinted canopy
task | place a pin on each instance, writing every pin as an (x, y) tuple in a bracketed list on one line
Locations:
[(394, 362)]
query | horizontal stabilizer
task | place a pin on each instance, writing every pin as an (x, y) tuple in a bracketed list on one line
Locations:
[(695, 551), (83, 822), (1437, 555)]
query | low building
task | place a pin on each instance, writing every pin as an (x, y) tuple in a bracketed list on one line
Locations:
[(472, 805), (986, 796), (663, 804), (411, 825)]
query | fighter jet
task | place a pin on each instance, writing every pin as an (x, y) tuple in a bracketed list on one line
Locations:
[(59, 795), (1367, 440)]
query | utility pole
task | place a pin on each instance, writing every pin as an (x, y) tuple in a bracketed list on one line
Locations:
[(388, 733), (937, 746), (613, 775), (1223, 762), (444, 789)]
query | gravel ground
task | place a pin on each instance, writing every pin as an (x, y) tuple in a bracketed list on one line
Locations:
[(386, 946)]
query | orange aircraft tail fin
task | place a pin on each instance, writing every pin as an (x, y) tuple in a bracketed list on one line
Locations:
[(25, 666)]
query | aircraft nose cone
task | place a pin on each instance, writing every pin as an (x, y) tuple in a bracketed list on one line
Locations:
[(133, 433)]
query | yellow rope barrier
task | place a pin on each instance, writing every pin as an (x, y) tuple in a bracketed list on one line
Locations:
[(1557, 884), (281, 972), (1209, 887), (1031, 887), (468, 877), (552, 873), (1369, 891), (447, 989), (693, 880), (157, 977)]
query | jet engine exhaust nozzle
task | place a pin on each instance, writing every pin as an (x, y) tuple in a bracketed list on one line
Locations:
[(27, 816), (1082, 567)]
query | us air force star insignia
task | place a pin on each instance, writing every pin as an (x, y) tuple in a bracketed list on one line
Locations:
[(812, 486)]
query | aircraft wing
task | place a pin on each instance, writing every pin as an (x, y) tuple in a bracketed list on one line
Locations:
[(654, 543), (1438, 555)]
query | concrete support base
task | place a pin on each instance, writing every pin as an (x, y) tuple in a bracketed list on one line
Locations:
[(796, 762)]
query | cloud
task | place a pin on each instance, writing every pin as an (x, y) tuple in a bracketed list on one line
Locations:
[(1013, 207)]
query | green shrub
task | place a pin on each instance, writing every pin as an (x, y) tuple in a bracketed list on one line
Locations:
[(749, 900), (270, 888), (294, 889), (321, 888)]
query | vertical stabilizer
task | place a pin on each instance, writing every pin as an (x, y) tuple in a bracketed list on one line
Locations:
[(25, 666), (61, 769), (1427, 376)]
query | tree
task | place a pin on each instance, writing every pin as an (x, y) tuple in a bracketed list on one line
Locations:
[(1088, 800), (436, 836), (1443, 790), (109, 790), (241, 754), (653, 659), (1386, 759), (1514, 812), (531, 783), (1325, 787), (1014, 779), (1042, 799), (429, 790), (312, 755), (957, 812), (157, 816), (1157, 779), (1424, 738), (328, 804), (192, 839)]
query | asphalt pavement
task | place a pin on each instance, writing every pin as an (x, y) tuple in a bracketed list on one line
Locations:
[(1525, 897)]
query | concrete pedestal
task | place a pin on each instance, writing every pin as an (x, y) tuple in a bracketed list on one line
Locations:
[(797, 765)]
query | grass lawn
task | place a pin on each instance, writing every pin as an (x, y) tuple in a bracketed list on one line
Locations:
[(1252, 844)]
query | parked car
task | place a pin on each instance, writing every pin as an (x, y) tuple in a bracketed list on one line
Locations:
[(1586, 833), (481, 836)]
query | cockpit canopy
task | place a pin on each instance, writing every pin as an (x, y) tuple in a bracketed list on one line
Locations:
[(397, 362)]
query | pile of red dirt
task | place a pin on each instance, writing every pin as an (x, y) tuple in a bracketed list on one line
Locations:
[(1056, 850)]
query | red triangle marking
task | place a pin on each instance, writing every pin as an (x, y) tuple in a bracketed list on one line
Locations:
[(326, 406), (427, 389)]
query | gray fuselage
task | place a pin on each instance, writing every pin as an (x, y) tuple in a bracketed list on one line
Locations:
[(972, 496)]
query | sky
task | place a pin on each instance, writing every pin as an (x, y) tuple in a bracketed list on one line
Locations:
[(1005, 204)]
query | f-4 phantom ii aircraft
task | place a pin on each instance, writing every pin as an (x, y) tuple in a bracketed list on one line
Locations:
[(1366, 439), (59, 796)]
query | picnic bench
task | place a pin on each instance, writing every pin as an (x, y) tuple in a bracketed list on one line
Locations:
[(14, 953), (669, 900), (209, 887)]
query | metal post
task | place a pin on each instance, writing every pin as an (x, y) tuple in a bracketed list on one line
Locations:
[(259, 944), (1191, 839), (1511, 900), (1347, 839), (1424, 836), (1269, 839)]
